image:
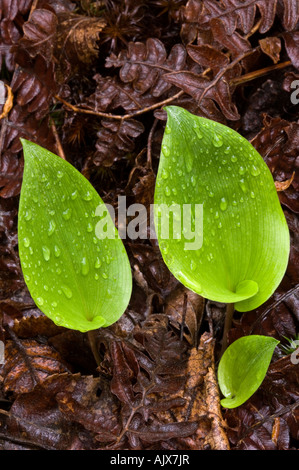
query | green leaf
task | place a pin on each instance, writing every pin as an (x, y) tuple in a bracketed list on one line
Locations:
[(240, 253), (78, 280), (243, 367)]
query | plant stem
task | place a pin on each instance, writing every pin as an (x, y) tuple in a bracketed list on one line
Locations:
[(230, 308), (93, 346)]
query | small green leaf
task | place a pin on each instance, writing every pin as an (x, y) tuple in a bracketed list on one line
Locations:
[(78, 280), (243, 367), (240, 252)]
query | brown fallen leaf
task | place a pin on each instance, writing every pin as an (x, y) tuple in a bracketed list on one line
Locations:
[(272, 47), (283, 185), (8, 103)]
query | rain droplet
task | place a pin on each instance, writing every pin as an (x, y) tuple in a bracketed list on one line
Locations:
[(96, 276), (216, 215), (28, 215), (84, 266), (67, 214), (52, 227), (164, 174), (242, 170), (234, 158), (243, 185), (26, 242), (46, 253), (165, 150), (223, 204), (74, 195), (26, 277), (255, 171), (87, 196), (193, 180), (167, 191), (217, 140), (104, 276), (89, 227), (57, 251), (59, 174), (54, 304), (252, 195), (40, 301), (67, 292), (167, 130), (97, 263)]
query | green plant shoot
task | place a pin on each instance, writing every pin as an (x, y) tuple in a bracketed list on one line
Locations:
[(243, 367), (78, 280), (242, 251)]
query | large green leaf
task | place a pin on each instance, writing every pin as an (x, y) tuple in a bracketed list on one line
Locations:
[(245, 238), (242, 368), (78, 280)]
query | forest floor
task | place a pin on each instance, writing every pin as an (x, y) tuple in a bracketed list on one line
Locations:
[(88, 80)]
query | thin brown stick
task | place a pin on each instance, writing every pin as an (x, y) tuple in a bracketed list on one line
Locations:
[(149, 145), (57, 140), (258, 73), (119, 117), (93, 346), (230, 308)]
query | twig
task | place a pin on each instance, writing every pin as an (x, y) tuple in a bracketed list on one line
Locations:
[(119, 117), (258, 73), (149, 145), (230, 308), (93, 346), (57, 140)]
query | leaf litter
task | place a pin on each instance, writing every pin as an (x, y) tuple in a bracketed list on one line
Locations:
[(88, 81)]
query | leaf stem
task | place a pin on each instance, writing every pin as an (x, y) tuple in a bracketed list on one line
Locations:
[(230, 308), (93, 346)]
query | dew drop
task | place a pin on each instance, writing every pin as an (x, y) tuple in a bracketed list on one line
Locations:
[(242, 170), (223, 204), (28, 215), (54, 304), (89, 227), (217, 140), (255, 171), (97, 263), (104, 276), (165, 150), (234, 158), (164, 174), (46, 253), (26, 242), (57, 251), (52, 227), (167, 130), (26, 277), (40, 301), (67, 291), (87, 196), (67, 214), (59, 174), (243, 185), (84, 266), (216, 215), (74, 195), (252, 195), (167, 191), (96, 276)]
